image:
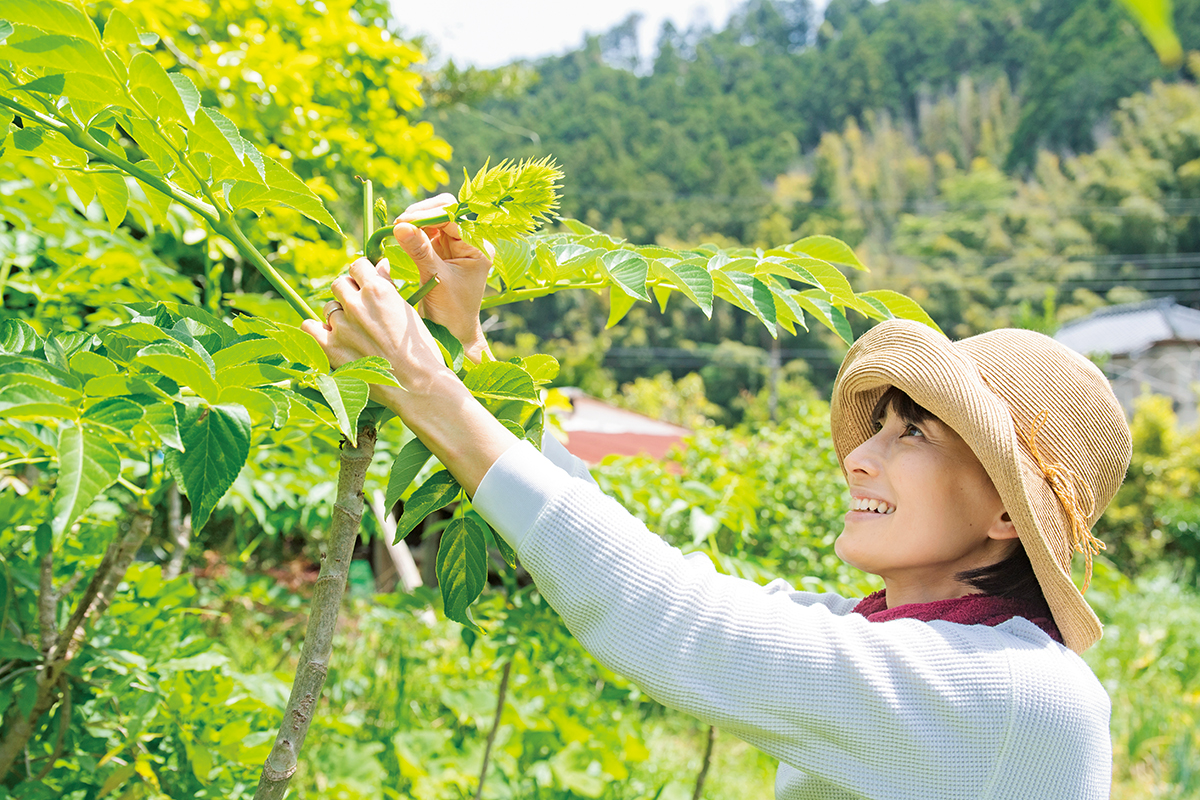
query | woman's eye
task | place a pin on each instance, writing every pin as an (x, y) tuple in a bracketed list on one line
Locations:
[(876, 426), (913, 430)]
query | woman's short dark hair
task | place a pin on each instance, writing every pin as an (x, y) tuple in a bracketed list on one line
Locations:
[(1011, 577)]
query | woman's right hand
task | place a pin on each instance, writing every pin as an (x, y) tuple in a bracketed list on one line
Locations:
[(461, 269)]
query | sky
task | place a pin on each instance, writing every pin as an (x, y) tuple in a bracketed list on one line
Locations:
[(488, 33)]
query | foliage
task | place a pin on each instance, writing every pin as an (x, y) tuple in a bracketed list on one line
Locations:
[(1147, 660), (1154, 517)]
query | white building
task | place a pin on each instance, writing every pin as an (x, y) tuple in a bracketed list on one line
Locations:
[(1144, 347)]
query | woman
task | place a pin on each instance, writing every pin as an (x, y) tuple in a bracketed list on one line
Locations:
[(977, 464)]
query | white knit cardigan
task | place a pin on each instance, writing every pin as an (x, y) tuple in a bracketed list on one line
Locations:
[(899, 710)]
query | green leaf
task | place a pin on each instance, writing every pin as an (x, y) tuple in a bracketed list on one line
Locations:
[(411, 459), (51, 16), (162, 419), (438, 491), (189, 95), (181, 365), (901, 306), (155, 90), (513, 259), (628, 270), (114, 196), (787, 311), (372, 369), (619, 304), (47, 84), (281, 187), (216, 441), (506, 552), (748, 293), (251, 375), (347, 397), (244, 351), (116, 413), (214, 139), (1154, 17), (499, 380), (119, 30), (257, 402), (461, 568), (689, 276), (87, 465), (826, 248), (6, 30), (542, 368), (452, 349), (818, 304), (297, 346), (17, 337), (283, 404), (28, 47), (28, 401)]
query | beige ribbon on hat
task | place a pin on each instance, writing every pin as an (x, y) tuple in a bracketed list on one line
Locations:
[(1072, 492)]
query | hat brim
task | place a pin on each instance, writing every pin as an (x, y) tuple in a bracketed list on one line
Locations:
[(945, 380)]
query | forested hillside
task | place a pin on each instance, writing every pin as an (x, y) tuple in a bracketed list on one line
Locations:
[(1003, 161)]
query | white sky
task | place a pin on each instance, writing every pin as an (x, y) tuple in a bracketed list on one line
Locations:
[(488, 33)]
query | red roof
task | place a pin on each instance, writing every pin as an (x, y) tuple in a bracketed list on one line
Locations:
[(596, 429)]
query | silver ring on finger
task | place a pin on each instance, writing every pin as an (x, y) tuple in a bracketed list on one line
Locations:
[(330, 307)]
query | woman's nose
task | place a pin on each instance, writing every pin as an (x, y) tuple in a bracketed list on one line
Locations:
[(864, 459)]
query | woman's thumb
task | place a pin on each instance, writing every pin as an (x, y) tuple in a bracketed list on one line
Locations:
[(417, 245)]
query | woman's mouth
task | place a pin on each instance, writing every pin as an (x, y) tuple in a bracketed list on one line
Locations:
[(871, 504)]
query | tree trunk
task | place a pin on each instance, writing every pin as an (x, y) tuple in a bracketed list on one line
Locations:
[(179, 528), (712, 737), (95, 601), (318, 637)]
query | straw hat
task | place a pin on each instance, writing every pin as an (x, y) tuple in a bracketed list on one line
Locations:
[(1042, 420)]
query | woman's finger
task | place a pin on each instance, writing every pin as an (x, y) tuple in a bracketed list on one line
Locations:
[(342, 287), (423, 207), (416, 243), (363, 272), (384, 268)]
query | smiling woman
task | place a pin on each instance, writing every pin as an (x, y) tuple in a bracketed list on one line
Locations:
[(959, 456), (936, 512)]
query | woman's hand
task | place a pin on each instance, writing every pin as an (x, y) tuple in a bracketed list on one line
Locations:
[(369, 318), (461, 270)]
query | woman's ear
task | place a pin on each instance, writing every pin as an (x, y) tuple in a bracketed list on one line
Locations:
[(1003, 528)]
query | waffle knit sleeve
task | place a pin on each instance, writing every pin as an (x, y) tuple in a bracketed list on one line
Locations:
[(902, 709)]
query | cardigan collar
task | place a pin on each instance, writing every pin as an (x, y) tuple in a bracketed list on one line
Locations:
[(974, 609)]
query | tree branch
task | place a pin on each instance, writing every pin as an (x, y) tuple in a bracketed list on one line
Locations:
[(94, 602), (487, 752), (708, 749), (318, 636)]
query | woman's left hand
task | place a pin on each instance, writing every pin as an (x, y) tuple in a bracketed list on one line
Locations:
[(369, 318)]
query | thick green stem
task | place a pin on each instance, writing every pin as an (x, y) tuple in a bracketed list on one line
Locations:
[(368, 215), (373, 249), (318, 636), (517, 295), (231, 231), (81, 139)]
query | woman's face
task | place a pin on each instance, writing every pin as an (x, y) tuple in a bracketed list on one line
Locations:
[(936, 511)]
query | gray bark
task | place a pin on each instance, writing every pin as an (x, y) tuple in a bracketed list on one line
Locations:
[(318, 636)]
